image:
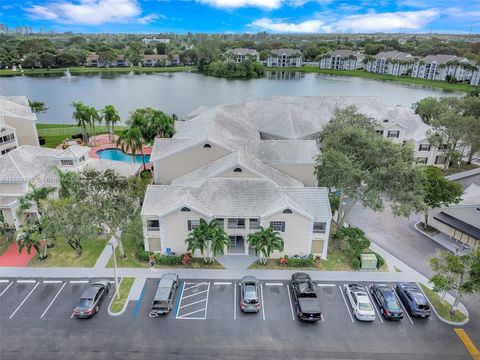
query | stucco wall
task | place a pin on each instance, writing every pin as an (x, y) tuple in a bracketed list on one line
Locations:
[(174, 229), (174, 166), (26, 130), (13, 188), (304, 173)]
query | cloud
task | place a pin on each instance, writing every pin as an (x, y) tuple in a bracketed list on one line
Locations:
[(265, 4), (308, 27), (91, 12), (380, 22)]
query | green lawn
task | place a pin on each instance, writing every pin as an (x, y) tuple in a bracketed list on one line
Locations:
[(83, 70), (454, 169), (364, 74), (124, 289), (441, 306), (62, 255)]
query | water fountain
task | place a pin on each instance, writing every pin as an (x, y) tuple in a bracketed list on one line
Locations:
[(67, 74)]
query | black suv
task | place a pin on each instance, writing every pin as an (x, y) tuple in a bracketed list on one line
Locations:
[(388, 302)]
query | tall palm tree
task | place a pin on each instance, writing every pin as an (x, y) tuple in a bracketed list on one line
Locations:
[(35, 197), (93, 117), (131, 140), (264, 242), (81, 117), (29, 237), (209, 238), (111, 117)]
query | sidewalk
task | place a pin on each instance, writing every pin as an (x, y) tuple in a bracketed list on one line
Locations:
[(12, 257), (444, 240)]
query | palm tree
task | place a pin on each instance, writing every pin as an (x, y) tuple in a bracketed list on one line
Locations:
[(35, 197), (81, 117), (207, 237), (264, 242), (29, 237), (67, 182), (111, 117), (131, 140), (93, 117)]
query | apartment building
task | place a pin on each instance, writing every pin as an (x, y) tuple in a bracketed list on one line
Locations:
[(285, 58), (241, 54), (160, 60), (444, 67), (390, 62), (342, 60)]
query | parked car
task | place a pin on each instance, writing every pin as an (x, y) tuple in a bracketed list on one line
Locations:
[(249, 294), (360, 302), (91, 299), (413, 299), (387, 301), (305, 297), (163, 299)]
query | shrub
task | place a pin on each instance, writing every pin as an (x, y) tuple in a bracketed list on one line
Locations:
[(356, 263), (169, 260), (357, 241), (283, 261), (142, 255), (300, 261), (186, 258), (380, 260)]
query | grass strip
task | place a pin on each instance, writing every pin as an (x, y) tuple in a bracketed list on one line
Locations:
[(124, 289), (441, 306)]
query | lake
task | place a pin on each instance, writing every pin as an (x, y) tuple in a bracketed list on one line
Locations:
[(182, 92)]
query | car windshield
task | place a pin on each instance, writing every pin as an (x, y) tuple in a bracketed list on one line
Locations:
[(159, 304), (250, 294), (305, 287), (365, 306), (85, 302)]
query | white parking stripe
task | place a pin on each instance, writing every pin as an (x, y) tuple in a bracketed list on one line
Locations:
[(326, 285), (194, 286), (26, 281), (206, 304), (403, 307), (200, 292), (78, 281), (19, 306), (290, 300), (374, 305), (193, 312), (234, 301), (346, 305), (6, 288), (321, 317), (52, 281), (4, 281), (222, 283), (48, 307), (190, 304), (263, 305), (273, 284)]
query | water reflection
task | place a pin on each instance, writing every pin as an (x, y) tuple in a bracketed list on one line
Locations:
[(284, 75)]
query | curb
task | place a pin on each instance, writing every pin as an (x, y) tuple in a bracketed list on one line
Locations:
[(452, 323), (124, 305), (429, 236)]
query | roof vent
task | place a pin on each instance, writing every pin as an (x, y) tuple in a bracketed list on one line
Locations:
[(237, 170), (185, 209), (207, 146), (385, 121), (287, 211)]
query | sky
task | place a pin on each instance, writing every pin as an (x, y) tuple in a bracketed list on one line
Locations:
[(240, 16)]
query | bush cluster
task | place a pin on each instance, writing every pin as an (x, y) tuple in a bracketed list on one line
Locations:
[(357, 243), (169, 259), (300, 261), (233, 70)]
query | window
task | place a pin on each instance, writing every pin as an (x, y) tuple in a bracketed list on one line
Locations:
[(277, 225), (379, 132), (153, 225), (254, 223), (443, 147), (192, 224), (422, 160), (237, 170), (220, 222), (236, 223), (424, 147), (393, 133), (185, 209), (67, 162), (207, 146), (287, 211), (319, 227)]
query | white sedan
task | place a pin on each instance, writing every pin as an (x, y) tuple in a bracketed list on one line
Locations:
[(360, 302)]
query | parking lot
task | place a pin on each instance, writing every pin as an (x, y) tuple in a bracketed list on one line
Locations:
[(214, 305)]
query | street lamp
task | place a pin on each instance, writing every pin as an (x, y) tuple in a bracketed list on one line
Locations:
[(115, 270)]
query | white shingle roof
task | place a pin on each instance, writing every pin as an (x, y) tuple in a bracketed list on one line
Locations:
[(74, 152), (16, 106), (233, 197)]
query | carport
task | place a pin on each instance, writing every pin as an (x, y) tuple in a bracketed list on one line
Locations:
[(462, 231)]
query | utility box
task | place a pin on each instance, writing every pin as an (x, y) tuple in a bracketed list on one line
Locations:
[(368, 261)]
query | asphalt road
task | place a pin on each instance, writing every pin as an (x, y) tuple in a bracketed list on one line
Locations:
[(206, 324)]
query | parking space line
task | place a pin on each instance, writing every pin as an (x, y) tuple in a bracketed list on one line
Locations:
[(194, 286), (52, 281), (193, 312), (201, 292), (19, 306), (346, 305), (290, 300), (274, 284), (222, 283), (206, 304), (468, 343), (326, 285), (6, 288), (48, 307), (78, 281), (234, 301), (321, 317), (139, 301), (26, 281), (403, 307), (263, 304), (4, 281), (179, 299), (71, 316), (374, 305), (193, 303)]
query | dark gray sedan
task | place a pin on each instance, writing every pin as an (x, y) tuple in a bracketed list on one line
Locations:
[(91, 299), (249, 294)]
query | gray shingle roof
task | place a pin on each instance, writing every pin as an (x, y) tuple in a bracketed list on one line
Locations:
[(393, 55), (237, 197), (243, 51), (288, 52)]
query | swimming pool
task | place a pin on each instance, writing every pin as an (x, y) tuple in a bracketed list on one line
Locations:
[(119, 155)]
